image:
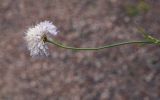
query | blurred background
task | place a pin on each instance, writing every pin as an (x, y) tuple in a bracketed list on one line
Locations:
[(130, 72)]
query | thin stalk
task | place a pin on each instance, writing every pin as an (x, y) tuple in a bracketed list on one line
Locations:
[(98, 48)]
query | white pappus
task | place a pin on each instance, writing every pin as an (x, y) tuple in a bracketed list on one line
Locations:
[(34, 38)]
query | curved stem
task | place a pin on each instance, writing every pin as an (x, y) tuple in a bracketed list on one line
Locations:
[(98, 48)]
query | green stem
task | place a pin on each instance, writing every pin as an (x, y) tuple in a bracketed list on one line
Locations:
[(98, 48)]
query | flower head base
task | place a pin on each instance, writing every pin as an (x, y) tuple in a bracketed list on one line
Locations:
[(35, 38)]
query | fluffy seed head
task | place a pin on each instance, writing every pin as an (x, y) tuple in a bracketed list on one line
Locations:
[(34, 38)]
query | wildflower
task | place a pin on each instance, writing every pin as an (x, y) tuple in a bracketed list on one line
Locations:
[(35, 38)]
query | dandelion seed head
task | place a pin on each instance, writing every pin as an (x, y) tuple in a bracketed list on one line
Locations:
[(34, 38)]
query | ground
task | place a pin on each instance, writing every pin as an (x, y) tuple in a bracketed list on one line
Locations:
[(130, 72)]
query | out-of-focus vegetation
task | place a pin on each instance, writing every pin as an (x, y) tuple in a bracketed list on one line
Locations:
[(136, 9)]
